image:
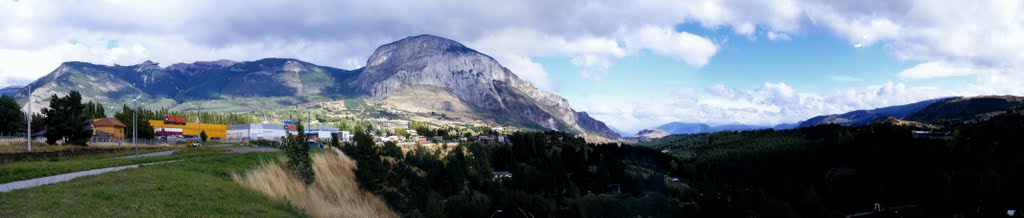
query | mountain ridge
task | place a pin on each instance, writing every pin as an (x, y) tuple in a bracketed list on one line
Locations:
[(457, 79)]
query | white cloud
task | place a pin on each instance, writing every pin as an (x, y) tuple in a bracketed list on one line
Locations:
[(770, 104), (690, 48), (937, 70)]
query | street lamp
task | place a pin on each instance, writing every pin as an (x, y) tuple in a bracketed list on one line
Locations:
[(135, 124), (495, 212), (28, 117)]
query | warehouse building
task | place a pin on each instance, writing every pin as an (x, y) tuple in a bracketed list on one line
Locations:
[(172, 126), (245, 132)]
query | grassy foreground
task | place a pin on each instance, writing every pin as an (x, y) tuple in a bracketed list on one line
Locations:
[(17, 171), (199, 186)]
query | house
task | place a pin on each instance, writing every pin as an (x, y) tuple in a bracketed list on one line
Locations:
[(485, 138), (108, 128), (500, 175), (343, 136)]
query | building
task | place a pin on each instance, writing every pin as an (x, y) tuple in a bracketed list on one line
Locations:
[(213, 131), (500, 175), (322, 132), (344, 136), (244, 132), (108, 128)]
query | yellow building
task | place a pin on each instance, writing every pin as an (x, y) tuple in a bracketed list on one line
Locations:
[(213, 131), (108, 128)]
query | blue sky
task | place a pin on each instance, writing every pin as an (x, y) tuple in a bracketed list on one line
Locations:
[(634, 64)]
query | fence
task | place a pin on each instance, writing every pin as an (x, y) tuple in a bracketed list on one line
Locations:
[(16, 140)]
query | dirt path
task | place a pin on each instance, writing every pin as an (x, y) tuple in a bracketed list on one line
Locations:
[(154, 154), (6, 187)]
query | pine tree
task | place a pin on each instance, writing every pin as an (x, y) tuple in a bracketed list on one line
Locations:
[(11, 113), (298, 155), (65, 121)]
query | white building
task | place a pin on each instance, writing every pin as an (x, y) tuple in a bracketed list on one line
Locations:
[(240, 132), (323, 132)]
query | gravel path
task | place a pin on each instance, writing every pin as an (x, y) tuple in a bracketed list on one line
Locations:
[(154, 154), (6, 187)]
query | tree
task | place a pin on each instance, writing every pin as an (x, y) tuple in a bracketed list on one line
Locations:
[(11, 113), (145, 130), (65, 121), (202, 135), (94, 110), (297, 150)]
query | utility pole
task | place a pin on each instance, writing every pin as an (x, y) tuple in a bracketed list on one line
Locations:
[(28, 131)]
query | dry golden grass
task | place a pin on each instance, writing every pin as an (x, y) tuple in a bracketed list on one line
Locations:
[(335, 193)]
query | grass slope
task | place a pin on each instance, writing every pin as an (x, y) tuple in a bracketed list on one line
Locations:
[(18, 171), (200, 186)]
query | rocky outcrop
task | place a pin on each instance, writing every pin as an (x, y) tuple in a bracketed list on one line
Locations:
[(651, 134), (474, 78)]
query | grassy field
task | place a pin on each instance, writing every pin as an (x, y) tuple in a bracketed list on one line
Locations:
[(199, 186), (17, 171)]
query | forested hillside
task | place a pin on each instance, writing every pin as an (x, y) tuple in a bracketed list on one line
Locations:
[(970, 169), (551, 175)]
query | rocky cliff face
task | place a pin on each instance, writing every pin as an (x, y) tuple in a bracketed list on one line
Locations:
[(475, 79)]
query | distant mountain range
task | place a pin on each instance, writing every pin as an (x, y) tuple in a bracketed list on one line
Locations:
[(419, 74), (861, 117), (923, 114), (9, 90)]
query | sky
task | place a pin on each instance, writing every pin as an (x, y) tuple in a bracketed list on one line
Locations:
[(633, 64)]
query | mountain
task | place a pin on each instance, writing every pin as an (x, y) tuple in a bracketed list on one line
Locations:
[(9, 90), (966, 108), (684, 128), (432, 74), (415, 75), (620, 132), (783, 126), (862, 117), (693, 128), (281, 82), (912, 124), (652, 134)]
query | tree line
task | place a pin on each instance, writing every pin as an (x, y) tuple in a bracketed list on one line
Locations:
[(552, 174)]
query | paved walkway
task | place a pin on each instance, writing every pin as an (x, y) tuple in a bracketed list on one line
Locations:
[(6, 187)]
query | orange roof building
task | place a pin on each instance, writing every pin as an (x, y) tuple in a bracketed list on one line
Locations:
[(108, 126)]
